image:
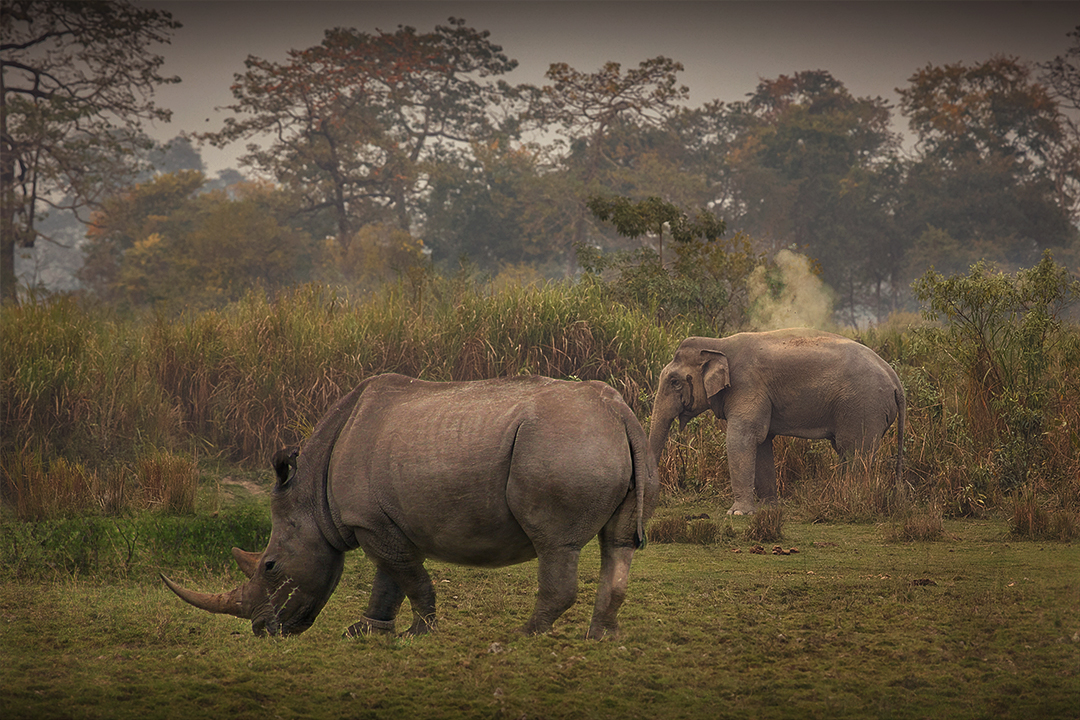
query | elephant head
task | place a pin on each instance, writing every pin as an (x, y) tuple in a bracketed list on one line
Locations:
[(289, 582), (688, 386)]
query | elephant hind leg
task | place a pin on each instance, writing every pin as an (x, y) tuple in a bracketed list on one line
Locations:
[(557, 575), (857, 437), (765, 472)]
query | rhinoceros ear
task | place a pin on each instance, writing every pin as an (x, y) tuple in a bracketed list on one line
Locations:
[(284, 462)]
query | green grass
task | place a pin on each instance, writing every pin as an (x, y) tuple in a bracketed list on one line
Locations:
[(976, 624)]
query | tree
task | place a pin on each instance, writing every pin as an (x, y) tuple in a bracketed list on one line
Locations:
[(1062, 77), (495, 208), (651, 216), (167, 241), (995, 164), (1062, 74), (803, 163), (707, 279), (588, 108), (77, 81), (358, 124)]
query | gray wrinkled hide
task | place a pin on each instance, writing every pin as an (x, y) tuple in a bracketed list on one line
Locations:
[(795, 382), (485, 473)]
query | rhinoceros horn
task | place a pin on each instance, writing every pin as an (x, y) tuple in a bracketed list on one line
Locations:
[(229, 603)]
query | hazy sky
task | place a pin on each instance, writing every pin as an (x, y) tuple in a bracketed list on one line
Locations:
[(873, 47)]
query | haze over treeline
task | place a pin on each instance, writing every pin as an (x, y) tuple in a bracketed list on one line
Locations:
[(373, 156)]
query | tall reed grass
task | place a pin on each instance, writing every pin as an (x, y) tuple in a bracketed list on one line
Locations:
[(86, 396), (84, 388)]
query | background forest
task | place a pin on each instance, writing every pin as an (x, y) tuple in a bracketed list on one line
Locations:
[(405, 208), (374, 156)]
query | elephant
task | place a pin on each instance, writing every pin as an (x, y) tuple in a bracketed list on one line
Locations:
[(484, 473), (795, 382)]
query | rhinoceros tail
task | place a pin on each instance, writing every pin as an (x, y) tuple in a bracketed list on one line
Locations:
[(901, 417), (645, 472), (645, 478)]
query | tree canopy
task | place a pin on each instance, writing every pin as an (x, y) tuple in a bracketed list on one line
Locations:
[(996, 166), (359, 124), (378, 151), (78, 80)]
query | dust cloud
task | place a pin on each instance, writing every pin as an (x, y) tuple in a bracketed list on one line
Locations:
[(788, 295)]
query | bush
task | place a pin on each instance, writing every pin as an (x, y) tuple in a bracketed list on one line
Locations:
[(767, 524), (1032, 519), (1019, 364), (920, 523), (86, 396), (104, 547), (667, 529)]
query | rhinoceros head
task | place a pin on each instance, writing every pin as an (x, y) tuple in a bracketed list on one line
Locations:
[(290, 581)]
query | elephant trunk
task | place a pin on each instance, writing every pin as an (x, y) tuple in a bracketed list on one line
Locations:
[(658, 435), (228, 603)]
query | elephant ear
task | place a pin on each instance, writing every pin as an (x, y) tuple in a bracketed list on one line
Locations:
[(714, 371)]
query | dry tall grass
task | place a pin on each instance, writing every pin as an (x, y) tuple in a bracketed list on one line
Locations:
[(85, 395)]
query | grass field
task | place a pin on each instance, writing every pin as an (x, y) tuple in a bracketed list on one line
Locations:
[(133, 445), (975, 624)]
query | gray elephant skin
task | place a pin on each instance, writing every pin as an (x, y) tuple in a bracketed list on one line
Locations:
[(795, 382), (486, 473)]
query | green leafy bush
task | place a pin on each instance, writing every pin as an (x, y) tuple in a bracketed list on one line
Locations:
[(1018, 363)]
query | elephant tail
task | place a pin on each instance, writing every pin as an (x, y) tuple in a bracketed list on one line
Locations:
[(901, 418)]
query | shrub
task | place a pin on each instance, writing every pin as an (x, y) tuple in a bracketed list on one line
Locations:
[(667, 529), (767, 524), (1032, 519), (1019, 362), (168, 482), (921, 523), (855, 490), (140, 544), (703, 532)]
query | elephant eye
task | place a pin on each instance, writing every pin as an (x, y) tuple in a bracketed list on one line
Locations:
[(269, 567)]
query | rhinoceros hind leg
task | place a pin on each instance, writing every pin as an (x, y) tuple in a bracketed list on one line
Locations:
[(611, 590), (557, 574)]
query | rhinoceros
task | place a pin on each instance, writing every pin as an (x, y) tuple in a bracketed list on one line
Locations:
[(486, 473)]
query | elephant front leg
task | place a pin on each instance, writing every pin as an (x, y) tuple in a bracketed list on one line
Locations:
[(765, 473), (742, 451), (557, 575)]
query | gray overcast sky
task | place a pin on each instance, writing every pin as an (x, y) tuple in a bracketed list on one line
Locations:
[(872, 47)]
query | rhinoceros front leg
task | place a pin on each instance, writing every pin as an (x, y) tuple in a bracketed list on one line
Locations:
[(391, 586), (557, 575), (386, 599)]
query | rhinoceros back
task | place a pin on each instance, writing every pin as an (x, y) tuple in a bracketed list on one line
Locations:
[(475, 473)]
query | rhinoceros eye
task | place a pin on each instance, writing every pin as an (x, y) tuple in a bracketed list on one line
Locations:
[(270, 565)]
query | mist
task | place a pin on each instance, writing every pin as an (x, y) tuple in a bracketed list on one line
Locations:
[(790, 294)]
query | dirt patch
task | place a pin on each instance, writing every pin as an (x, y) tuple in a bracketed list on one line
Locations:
[(249, 485)]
